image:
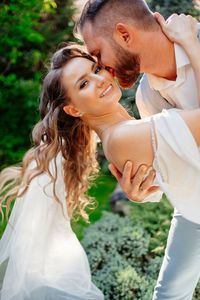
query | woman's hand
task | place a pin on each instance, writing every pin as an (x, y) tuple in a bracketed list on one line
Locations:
[(181, 29)]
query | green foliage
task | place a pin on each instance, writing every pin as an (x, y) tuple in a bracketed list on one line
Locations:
[(132, 286), (155, 218), (118, 251), (30, 31), (18, 114), (128, 99), (123, 259), (196, 295), (168, 7)]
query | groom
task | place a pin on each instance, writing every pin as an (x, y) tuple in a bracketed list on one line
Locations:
[(126, 38)]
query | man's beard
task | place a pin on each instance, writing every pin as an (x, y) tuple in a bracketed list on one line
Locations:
[(127, 67)]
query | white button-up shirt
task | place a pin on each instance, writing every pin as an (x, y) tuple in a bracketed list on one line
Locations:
[(155, 93)]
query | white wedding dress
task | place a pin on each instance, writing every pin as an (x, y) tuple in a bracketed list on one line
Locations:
[(177, 163), (40, 256)]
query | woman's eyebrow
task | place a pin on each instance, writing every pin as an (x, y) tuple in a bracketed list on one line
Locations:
[(80, 78)]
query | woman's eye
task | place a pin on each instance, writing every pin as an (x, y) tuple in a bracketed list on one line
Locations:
[(97, 69), (83, 84)]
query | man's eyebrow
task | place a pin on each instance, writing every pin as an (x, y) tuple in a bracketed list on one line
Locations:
[(84, 75)]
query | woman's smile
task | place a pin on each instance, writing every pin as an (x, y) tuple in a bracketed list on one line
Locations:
[(107, 91), (92, 89)]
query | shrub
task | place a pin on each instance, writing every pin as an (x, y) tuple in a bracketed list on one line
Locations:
[(118, 255), (125, 253)]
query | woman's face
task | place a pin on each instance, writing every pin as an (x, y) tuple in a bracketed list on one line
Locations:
[(92, 90)]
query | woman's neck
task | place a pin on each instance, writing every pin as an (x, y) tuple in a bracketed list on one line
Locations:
[(103, 123)]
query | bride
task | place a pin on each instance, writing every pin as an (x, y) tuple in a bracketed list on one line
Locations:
[(40, 257)]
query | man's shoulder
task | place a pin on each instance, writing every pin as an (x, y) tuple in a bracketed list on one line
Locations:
[(199, 31)]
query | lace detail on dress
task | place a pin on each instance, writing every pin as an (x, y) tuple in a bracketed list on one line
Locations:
[(154, 148)]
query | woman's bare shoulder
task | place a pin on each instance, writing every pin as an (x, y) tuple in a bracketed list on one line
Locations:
[(130, 140)]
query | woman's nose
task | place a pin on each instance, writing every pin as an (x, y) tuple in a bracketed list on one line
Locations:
[(100, 80)]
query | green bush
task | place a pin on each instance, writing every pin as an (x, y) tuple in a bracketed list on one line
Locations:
[(126, 253), (118, 254), (155, 218)]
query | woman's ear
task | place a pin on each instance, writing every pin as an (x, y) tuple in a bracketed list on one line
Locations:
[(122, 35), (72, 111)]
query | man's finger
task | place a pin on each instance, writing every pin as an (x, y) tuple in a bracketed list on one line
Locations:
[(146, 184), (152, 190), (126, 176), (115, 172), (139, 176)]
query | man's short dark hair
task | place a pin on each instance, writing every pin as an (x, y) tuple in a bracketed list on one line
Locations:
[(106, 13)]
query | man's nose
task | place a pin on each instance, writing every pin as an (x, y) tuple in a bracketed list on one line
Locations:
[(107, 68), (100, 63)]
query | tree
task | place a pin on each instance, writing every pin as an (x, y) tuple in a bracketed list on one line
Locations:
[(30, 30), (168, 7)]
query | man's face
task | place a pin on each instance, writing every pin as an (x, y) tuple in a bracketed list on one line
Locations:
[(121, 63)]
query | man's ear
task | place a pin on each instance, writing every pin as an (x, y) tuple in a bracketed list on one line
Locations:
[(71, 110), (122, 35)]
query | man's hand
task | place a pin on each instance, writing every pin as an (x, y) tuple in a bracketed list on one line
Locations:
[(137, 188)]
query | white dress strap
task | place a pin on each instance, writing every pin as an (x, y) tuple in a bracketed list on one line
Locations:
[(177, 157)]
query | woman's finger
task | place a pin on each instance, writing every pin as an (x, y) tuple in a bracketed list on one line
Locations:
[(152, 189), (160, 19)]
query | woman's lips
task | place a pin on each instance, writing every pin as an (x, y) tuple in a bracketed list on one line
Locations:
[(107, 90)]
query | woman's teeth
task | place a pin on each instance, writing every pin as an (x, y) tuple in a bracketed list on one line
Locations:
[(107, 90)]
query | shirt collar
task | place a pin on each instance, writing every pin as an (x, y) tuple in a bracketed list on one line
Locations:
[(159, 83)]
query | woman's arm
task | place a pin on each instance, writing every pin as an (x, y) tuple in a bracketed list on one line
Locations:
[(131, 142), (183, 30)]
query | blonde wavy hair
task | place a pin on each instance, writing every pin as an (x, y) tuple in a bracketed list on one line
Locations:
[(55, 133)]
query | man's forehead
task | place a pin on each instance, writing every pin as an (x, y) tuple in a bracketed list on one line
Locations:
[(87, 31), (91, 41)]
